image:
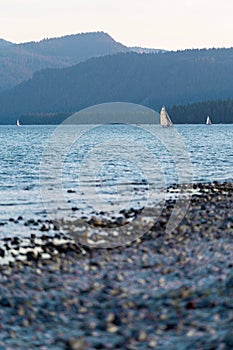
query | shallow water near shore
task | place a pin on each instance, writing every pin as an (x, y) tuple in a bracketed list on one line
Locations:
[(119, 182)]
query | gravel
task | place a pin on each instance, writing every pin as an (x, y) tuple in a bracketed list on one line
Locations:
[(162, 291)]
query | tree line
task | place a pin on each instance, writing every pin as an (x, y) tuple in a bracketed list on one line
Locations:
[(220, 111), (179, 80)]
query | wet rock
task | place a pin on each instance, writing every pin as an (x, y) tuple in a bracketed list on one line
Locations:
[(71, 191), (31, 256), (5, 302), (44, 228), (74, 209), (15, 241), (2, 253)]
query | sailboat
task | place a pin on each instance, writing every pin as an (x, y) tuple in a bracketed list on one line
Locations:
[(165, 120), (208, 121), (18, 122)]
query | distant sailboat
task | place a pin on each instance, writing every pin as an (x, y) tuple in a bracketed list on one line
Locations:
[(165, 120), (208, 121), (18, 122)]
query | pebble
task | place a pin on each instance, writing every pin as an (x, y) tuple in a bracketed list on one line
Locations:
[(162, 291)]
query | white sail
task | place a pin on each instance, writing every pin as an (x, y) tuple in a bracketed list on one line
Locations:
[(165, 120), (18, 122), (208, 121)]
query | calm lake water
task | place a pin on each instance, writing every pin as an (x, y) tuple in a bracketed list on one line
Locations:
[(98, 168)]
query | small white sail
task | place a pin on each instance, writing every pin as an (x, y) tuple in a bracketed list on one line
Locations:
[(165, 120), (18, 122), (208, 121)]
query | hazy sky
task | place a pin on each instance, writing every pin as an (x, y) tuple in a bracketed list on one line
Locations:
[(168, 24)]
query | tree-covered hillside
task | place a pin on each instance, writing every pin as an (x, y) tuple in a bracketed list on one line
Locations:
[(77, 46), (18, 62), (171, 78)]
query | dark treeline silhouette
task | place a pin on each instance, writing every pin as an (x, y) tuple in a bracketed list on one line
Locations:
[(170, 78), (220, 111)]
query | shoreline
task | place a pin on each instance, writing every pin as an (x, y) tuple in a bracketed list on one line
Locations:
[(163, 291), (49, 237)]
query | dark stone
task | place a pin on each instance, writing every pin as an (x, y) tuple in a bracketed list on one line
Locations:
[(74, 208), (71, 191), (190, 305), (5, 302), (44, 237), (170, 326), (44, 228), (29, 222), (31, 256), (15, 241), (2, 253)]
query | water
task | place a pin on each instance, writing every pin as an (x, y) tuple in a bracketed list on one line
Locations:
[(104, 168)]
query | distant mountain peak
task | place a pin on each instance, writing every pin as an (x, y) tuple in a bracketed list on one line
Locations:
[(4, 42), (94, 41), (18, 62), (82, 35)]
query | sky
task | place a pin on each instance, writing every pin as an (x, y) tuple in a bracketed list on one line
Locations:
[(164, 24)]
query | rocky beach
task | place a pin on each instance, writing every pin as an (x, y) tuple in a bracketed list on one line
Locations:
[(163, 290)]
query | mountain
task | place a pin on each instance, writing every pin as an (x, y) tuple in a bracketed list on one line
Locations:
[(18, 62), (5, 43), (170, 78), (77, 46)]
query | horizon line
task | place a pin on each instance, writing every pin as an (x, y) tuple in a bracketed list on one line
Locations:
[(128, 46)]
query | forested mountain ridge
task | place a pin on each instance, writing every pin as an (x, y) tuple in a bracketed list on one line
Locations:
[(18, 62), (76, 46), (170, 78)]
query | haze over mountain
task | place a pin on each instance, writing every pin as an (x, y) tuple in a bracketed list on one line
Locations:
[(18, 62), (149, 79), (139, 49)]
